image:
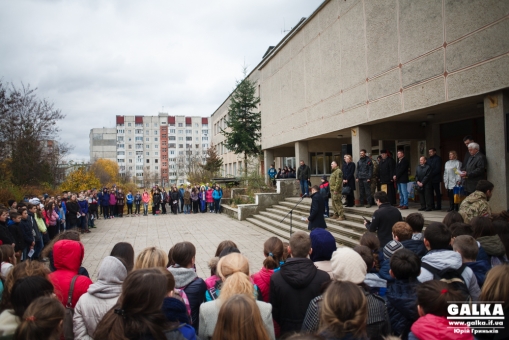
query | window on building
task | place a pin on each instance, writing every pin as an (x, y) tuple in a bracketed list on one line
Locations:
[(172, 138), (181, 146), (148, 160), (121, 153), (172, 130), (138, 131), (205, 138), (156, 146), (189, 131), (156, 153), (156, 160), (129, 131), (181, 132), (196, 124), (205, 145), (181, 138), (172, 152), (147, 146), (172, 145), (180, 124), (155, 132), (147, 139), (130, 161), (189, 138), (181, 152), (148, 153), (138, 139), (204, 131), (147, 125), (128, 124), (156, 139), (147, 132), (155, 124), (156, 167), (197, 146), (320, 162), (121, 146)]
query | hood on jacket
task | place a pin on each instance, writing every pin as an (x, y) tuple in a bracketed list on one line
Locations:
[(492, 245), (432, 327), (112, 274), (416, 246), (480, 268), (68, 255), (298, 272), (373, 280), (441, 259), (183, 276)]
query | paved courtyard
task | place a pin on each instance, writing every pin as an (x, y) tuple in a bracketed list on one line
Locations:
[(205, 231)]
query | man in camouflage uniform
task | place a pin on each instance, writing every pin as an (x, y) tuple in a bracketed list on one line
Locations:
[(476, 204), (336, 187), (374, 180)]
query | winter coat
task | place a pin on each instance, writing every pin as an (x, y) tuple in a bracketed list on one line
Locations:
[(442, 259), (480, 268), (195, 197), (303, 173), (203, 196), (364, 168), (129, 198), (492, 245), (52, 217), (450, 176), (209, 312), (315, 218), (40, 224), (15, 229), (175, 311), (336, 181), (26, 230), (36, 233), (194, 287), (402, 306), (432, 327), (137, 199), (386, 170), (175, 196), (416, 246), (209, 198), (385, 266), (105, 199), (217, 194), (382, 221), (435, 163), (262, 281), (476, 169), (349, 174), (68, 256), (73, 208), (83, 206), (376, 284), (187, 197), (181, 192), (325, 190), (475, 205), (156, 199), (100, 297), (401, 171), (297, 277), (113, 199), (423, 174), (120, 199), (5, 236), (145, 197), (324, 266)]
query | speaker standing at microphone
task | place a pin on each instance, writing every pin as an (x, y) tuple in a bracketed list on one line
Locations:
[(315, 218)]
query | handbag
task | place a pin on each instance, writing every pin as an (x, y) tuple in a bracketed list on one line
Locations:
[(69, 313), (346, 191)]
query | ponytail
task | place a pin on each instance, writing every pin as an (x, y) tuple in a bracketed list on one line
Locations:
[(112, 325), (236, 283), (432, 297), (273, 250), (42, 320)]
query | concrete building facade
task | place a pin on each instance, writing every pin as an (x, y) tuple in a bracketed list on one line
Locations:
[(153, 149), (390, 74)]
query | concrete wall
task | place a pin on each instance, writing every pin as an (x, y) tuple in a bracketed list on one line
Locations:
[(103, 144), (356, 62)]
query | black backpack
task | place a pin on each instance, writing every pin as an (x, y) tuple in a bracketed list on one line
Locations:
[(452, 277)]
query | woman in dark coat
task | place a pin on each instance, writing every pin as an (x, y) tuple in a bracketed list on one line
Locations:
[(349, 179), (156, 201), (174, 196), (73, 208)]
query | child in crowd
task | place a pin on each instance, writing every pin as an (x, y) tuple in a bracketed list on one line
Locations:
[(42, 320), (371, 241), (432, 303), (211, 281), (402, 232), (8, 259), (150, 257), (467, 246), (401, 294), (325, 192), (376, 284), (323, 245), (416, 222), (389, 249), (210, 199), (273, 251), (129, 199), (15, 228)]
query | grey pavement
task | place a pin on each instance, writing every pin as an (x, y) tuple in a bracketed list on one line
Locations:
[(204, 230)]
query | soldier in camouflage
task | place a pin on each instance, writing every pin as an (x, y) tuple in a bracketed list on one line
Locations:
[(476, 204), (336, 187)]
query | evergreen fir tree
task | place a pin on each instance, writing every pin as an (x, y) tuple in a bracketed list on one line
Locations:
[(213, 163), (243, 122)]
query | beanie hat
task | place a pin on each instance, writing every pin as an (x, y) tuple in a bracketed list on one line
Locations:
[(175, 310), (324, 178), (391, 247), (323, 244), (348, 265), (10, 202)]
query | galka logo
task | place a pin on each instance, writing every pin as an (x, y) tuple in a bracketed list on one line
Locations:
[(476, 317)]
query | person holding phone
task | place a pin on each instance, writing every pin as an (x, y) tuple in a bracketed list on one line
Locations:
[(383, 219)]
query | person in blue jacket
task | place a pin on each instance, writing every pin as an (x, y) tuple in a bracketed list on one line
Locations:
[(217, 195), (82, 221), (181, 198), (272, 174), (129, 200), (105, 203)]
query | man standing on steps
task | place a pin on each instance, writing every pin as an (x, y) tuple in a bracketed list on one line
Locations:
[(315, 219), (364, 174), (303, 176), (401, 179), (336, 187), (383, 219)]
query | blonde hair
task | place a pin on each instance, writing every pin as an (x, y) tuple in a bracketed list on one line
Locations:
[(233, 269), (454, 154), (349, 157), (344, 310), (495, 287), (149, 258)]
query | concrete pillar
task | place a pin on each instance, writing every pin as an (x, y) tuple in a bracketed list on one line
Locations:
[(496, 106), (268, 160), (301, 153), (361, 139)]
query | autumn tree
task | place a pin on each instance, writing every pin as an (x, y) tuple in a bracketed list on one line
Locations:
[(79, 180), (243, 122), (106, 171)]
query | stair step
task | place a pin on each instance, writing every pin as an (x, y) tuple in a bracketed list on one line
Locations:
[(349, 217), (279, 232)]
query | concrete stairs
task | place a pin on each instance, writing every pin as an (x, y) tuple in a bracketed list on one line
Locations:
[(346, 233)]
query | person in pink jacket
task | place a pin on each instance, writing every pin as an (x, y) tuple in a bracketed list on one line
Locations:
[(145, 197), (113, 204), (210, 199), (51, 217)]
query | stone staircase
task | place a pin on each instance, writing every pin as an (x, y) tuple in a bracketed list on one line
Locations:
[(346, 233)]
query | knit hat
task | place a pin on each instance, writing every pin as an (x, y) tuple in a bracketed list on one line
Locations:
[(324, 178), (175, 310), (323, 244), (391, 247), (348, 265), (10, 202)]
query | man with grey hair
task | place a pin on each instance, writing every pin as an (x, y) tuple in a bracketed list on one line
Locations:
[(474, 170)]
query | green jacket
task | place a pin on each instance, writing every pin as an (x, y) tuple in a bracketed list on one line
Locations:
[(375, 170), (475, 205), (336, 181)]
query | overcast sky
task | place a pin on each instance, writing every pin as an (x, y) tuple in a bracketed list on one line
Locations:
[(98, 59)]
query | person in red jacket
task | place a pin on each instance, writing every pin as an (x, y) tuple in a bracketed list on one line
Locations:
[(209, 199), (68, 256)]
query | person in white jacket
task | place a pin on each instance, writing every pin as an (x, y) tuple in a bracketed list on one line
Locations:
[(100, 298), (452, 178)]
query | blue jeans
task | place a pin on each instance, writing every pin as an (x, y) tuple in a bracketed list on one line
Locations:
[(145, 209), (326, 201), (38, 248), (403, 194), (304, 188)]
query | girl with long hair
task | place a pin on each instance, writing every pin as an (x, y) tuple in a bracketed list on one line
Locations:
[(42, 320), (150, 257)]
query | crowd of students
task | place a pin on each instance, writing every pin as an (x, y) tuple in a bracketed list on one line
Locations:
[(306, 289)]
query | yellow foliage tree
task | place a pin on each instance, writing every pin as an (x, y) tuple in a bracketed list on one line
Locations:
[(79, 180), (106, 171)]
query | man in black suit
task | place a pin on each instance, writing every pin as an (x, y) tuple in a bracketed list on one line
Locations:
[(475, 168), (435, 163), (386, 173), (383, 219), (401, 178), (315, 219)]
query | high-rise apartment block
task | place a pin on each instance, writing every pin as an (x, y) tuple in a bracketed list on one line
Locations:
[(155, 149)]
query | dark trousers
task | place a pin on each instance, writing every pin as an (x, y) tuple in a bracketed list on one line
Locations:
[(52, 231), (326, 201), (181, 205), (195, 206), (137, 211), (113, 210), (120, 210), (436, 189), (163, 207), (106, 212), (129, 208), (426, 197), (364, 191), (452, 206), (350, 199), (217, 206), (155, 208), (391, 193)]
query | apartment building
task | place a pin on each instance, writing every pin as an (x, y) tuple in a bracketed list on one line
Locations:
[(156, 149)]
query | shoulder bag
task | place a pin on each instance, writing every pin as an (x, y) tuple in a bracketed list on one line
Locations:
[(69, 313)]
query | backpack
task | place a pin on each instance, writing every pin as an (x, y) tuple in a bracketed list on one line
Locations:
[(452, 277)]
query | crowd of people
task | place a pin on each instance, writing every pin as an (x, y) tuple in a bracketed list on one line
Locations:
[(396, 282)]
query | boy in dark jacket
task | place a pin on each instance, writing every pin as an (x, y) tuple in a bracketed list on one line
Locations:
[(14, 226), (467, 246), (26, 230), (294, 286), (401, 295), (315, 218), (403, 233), (325, 193)]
